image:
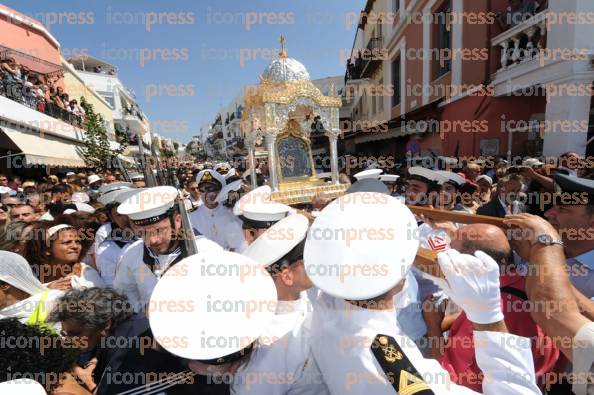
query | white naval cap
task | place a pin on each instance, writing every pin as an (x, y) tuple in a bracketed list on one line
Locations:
[(257, 206), (136, 176), (114, 186), (222, 168), (150, 205), (211, 176), (452, 178), (108, 194), (279, 240), (391, 178), (22, 386), (230, 174), (361, 245), (224, 194), (371, 173), (118, 196), (218, 310), (82, 207), (368, 185), (426, 175)]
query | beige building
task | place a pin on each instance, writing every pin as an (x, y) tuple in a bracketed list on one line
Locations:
[(76, 88)]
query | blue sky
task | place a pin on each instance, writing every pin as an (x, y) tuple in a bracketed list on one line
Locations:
[(200, 53)]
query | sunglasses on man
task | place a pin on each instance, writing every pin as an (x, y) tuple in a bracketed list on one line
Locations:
[(208, 189)]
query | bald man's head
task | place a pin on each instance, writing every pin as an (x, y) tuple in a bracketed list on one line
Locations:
[(487, 238)]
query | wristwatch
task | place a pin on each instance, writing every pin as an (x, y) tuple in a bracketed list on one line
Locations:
[(547, 240)]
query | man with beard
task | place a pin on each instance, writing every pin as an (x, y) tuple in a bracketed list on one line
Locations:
[(213, 219), (155, 218), (422, 186)]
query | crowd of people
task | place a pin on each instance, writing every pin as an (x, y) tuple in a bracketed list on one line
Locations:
[(38, 91), (210, 285)]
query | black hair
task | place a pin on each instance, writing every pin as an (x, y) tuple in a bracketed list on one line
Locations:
[(98, 307), (60, 188), (35, 352), (290, 257)]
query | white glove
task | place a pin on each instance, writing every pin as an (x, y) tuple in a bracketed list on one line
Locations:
[(472, 282)]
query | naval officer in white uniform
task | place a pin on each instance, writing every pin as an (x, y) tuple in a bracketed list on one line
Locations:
[(212, 319), (213, 219), (358, 254), (285, 348), (155, 217), (258, 212), (105, 192), (119, 234)]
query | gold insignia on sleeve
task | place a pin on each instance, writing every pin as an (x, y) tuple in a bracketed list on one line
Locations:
[(411, 384), (396, 365), (391, 354)]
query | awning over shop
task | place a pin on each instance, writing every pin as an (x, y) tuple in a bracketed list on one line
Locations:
[(378, 136), (42, 150)]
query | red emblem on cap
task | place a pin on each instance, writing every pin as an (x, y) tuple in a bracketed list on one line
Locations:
[(438, 243)]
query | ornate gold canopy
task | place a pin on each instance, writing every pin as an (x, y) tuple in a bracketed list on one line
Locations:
[(281, 110)]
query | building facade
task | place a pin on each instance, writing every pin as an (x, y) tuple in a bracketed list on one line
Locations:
[(33, 137), (466, 78)]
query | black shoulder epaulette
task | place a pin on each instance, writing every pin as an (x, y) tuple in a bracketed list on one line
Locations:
[(405, 378)]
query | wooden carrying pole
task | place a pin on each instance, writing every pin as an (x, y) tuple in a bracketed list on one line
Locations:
[(426, 259), (456, 216)]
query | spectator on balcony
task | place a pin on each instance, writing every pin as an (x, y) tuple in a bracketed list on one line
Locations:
[(76, 108), (11, 71), (26, 74), (29, 94), (517, 12), (98, 69), (43, 97), (55, 98)]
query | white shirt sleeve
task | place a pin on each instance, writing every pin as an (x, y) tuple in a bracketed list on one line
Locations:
[(507, 362), (234, 234)]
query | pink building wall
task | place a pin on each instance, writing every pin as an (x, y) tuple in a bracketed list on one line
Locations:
[(24, 38)]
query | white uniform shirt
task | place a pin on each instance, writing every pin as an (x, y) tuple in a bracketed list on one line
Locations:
[(101, 235), (219, 225), (342, 335), (581, 273), (106, 259), (283, 362), (134, 277)]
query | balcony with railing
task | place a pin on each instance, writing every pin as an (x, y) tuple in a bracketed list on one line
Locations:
[(371, 56), (521, 49), (366, 61)]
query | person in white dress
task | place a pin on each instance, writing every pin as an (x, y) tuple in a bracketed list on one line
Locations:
[(359, 261)]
